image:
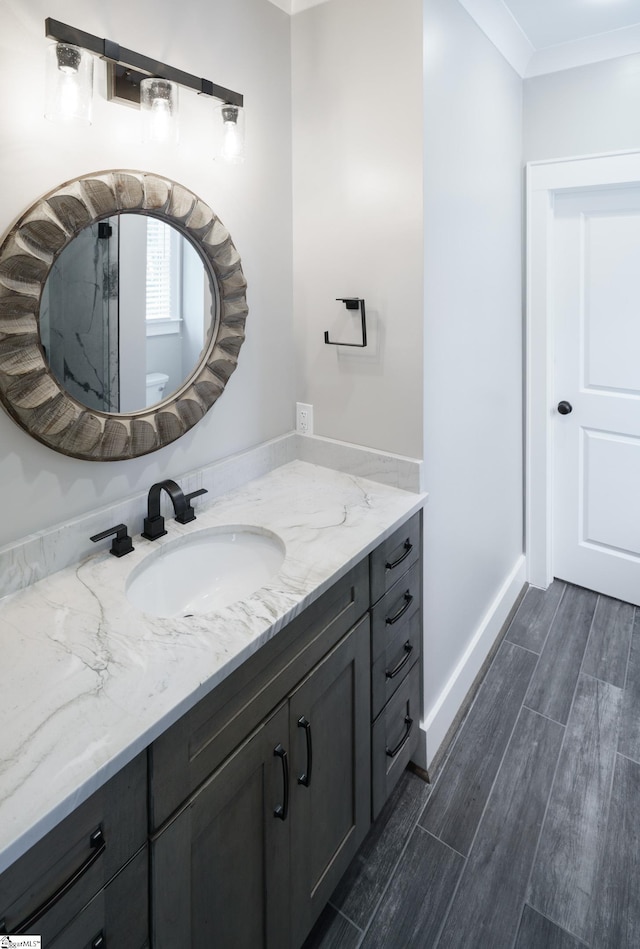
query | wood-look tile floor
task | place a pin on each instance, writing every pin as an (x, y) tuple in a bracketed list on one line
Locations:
[(528, 837)]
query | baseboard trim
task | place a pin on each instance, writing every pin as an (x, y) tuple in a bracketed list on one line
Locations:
[(444, 711)]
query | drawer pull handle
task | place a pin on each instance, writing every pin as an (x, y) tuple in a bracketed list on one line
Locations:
[(408, 599), (282, 810), (306, 777), (405, 738), (408, 648), (99, 942), (98, 846), (408, 547)]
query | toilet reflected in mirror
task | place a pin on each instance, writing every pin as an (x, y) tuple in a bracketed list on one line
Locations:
[(156, 384)]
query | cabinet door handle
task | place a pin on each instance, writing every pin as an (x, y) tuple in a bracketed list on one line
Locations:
[(305, 778), (408, 600), (405, 738), (408, 648), (408, 547), (98, 845), (99, 942), (282, 810)]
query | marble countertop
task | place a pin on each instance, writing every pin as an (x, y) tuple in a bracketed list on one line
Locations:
[(89, 680)]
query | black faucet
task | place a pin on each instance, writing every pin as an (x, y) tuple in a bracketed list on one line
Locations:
[(154, 522)]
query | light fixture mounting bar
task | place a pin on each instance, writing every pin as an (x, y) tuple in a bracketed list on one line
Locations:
[(111, 51)]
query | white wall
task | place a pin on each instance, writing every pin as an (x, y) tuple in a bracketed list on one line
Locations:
[(357, 189), (472, 353), (241, 44), (583, 111)]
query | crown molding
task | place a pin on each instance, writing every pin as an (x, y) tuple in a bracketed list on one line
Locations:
[(590, 49), (282, 5), (497, 23), (296, 6), (499, 26)]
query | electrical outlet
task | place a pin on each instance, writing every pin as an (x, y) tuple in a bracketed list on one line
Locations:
[(304, 418)]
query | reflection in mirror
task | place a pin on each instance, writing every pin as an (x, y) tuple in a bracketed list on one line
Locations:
[(126, 311)]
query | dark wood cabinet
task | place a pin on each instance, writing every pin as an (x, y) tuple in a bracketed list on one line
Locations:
[(394, 735), (220, 869), (396, 647), (253, 856), (190, 751), (396, 637), (118, 915), (395, 555), (330, 781), (69, 889)]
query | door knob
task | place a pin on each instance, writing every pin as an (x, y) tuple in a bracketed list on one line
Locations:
[(565, 408)]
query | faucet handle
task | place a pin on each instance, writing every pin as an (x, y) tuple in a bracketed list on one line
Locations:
[(121, 543), (154, 527), (189, 514)]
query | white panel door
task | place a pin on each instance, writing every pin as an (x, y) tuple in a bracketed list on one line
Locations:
[(596, 309)]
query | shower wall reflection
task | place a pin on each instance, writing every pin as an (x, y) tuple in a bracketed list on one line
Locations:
[(79, 317)]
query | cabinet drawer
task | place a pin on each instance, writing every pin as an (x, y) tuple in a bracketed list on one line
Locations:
[(188, 752), (394, 556), (119, 811), (394, 738), (118, 915), (391, 617), (393, 665)]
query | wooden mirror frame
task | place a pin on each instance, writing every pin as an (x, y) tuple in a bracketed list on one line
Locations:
[(30, 392)]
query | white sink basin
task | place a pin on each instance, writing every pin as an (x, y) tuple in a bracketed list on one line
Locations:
[(205, 571)]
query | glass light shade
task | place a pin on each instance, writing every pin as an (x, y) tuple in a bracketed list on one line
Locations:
[(159, 105), (69, 79), (232, 141)]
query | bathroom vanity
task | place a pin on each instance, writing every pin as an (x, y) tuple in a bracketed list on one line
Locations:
[(224, 768)]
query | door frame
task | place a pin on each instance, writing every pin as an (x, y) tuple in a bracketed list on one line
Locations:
[(543, 180)]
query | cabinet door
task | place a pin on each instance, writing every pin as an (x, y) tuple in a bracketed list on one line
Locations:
[(330, 780), (221, 868)]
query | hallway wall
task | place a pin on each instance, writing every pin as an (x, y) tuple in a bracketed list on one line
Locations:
[(473, 363)]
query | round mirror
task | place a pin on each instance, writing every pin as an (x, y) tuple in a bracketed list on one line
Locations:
[(126, 311), (122, 312)]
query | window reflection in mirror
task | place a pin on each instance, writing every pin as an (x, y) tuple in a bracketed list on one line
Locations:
[(126, 311)]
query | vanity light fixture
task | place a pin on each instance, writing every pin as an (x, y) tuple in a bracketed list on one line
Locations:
[(159, 105), (134, 79), (69, 83), (232, 148)]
